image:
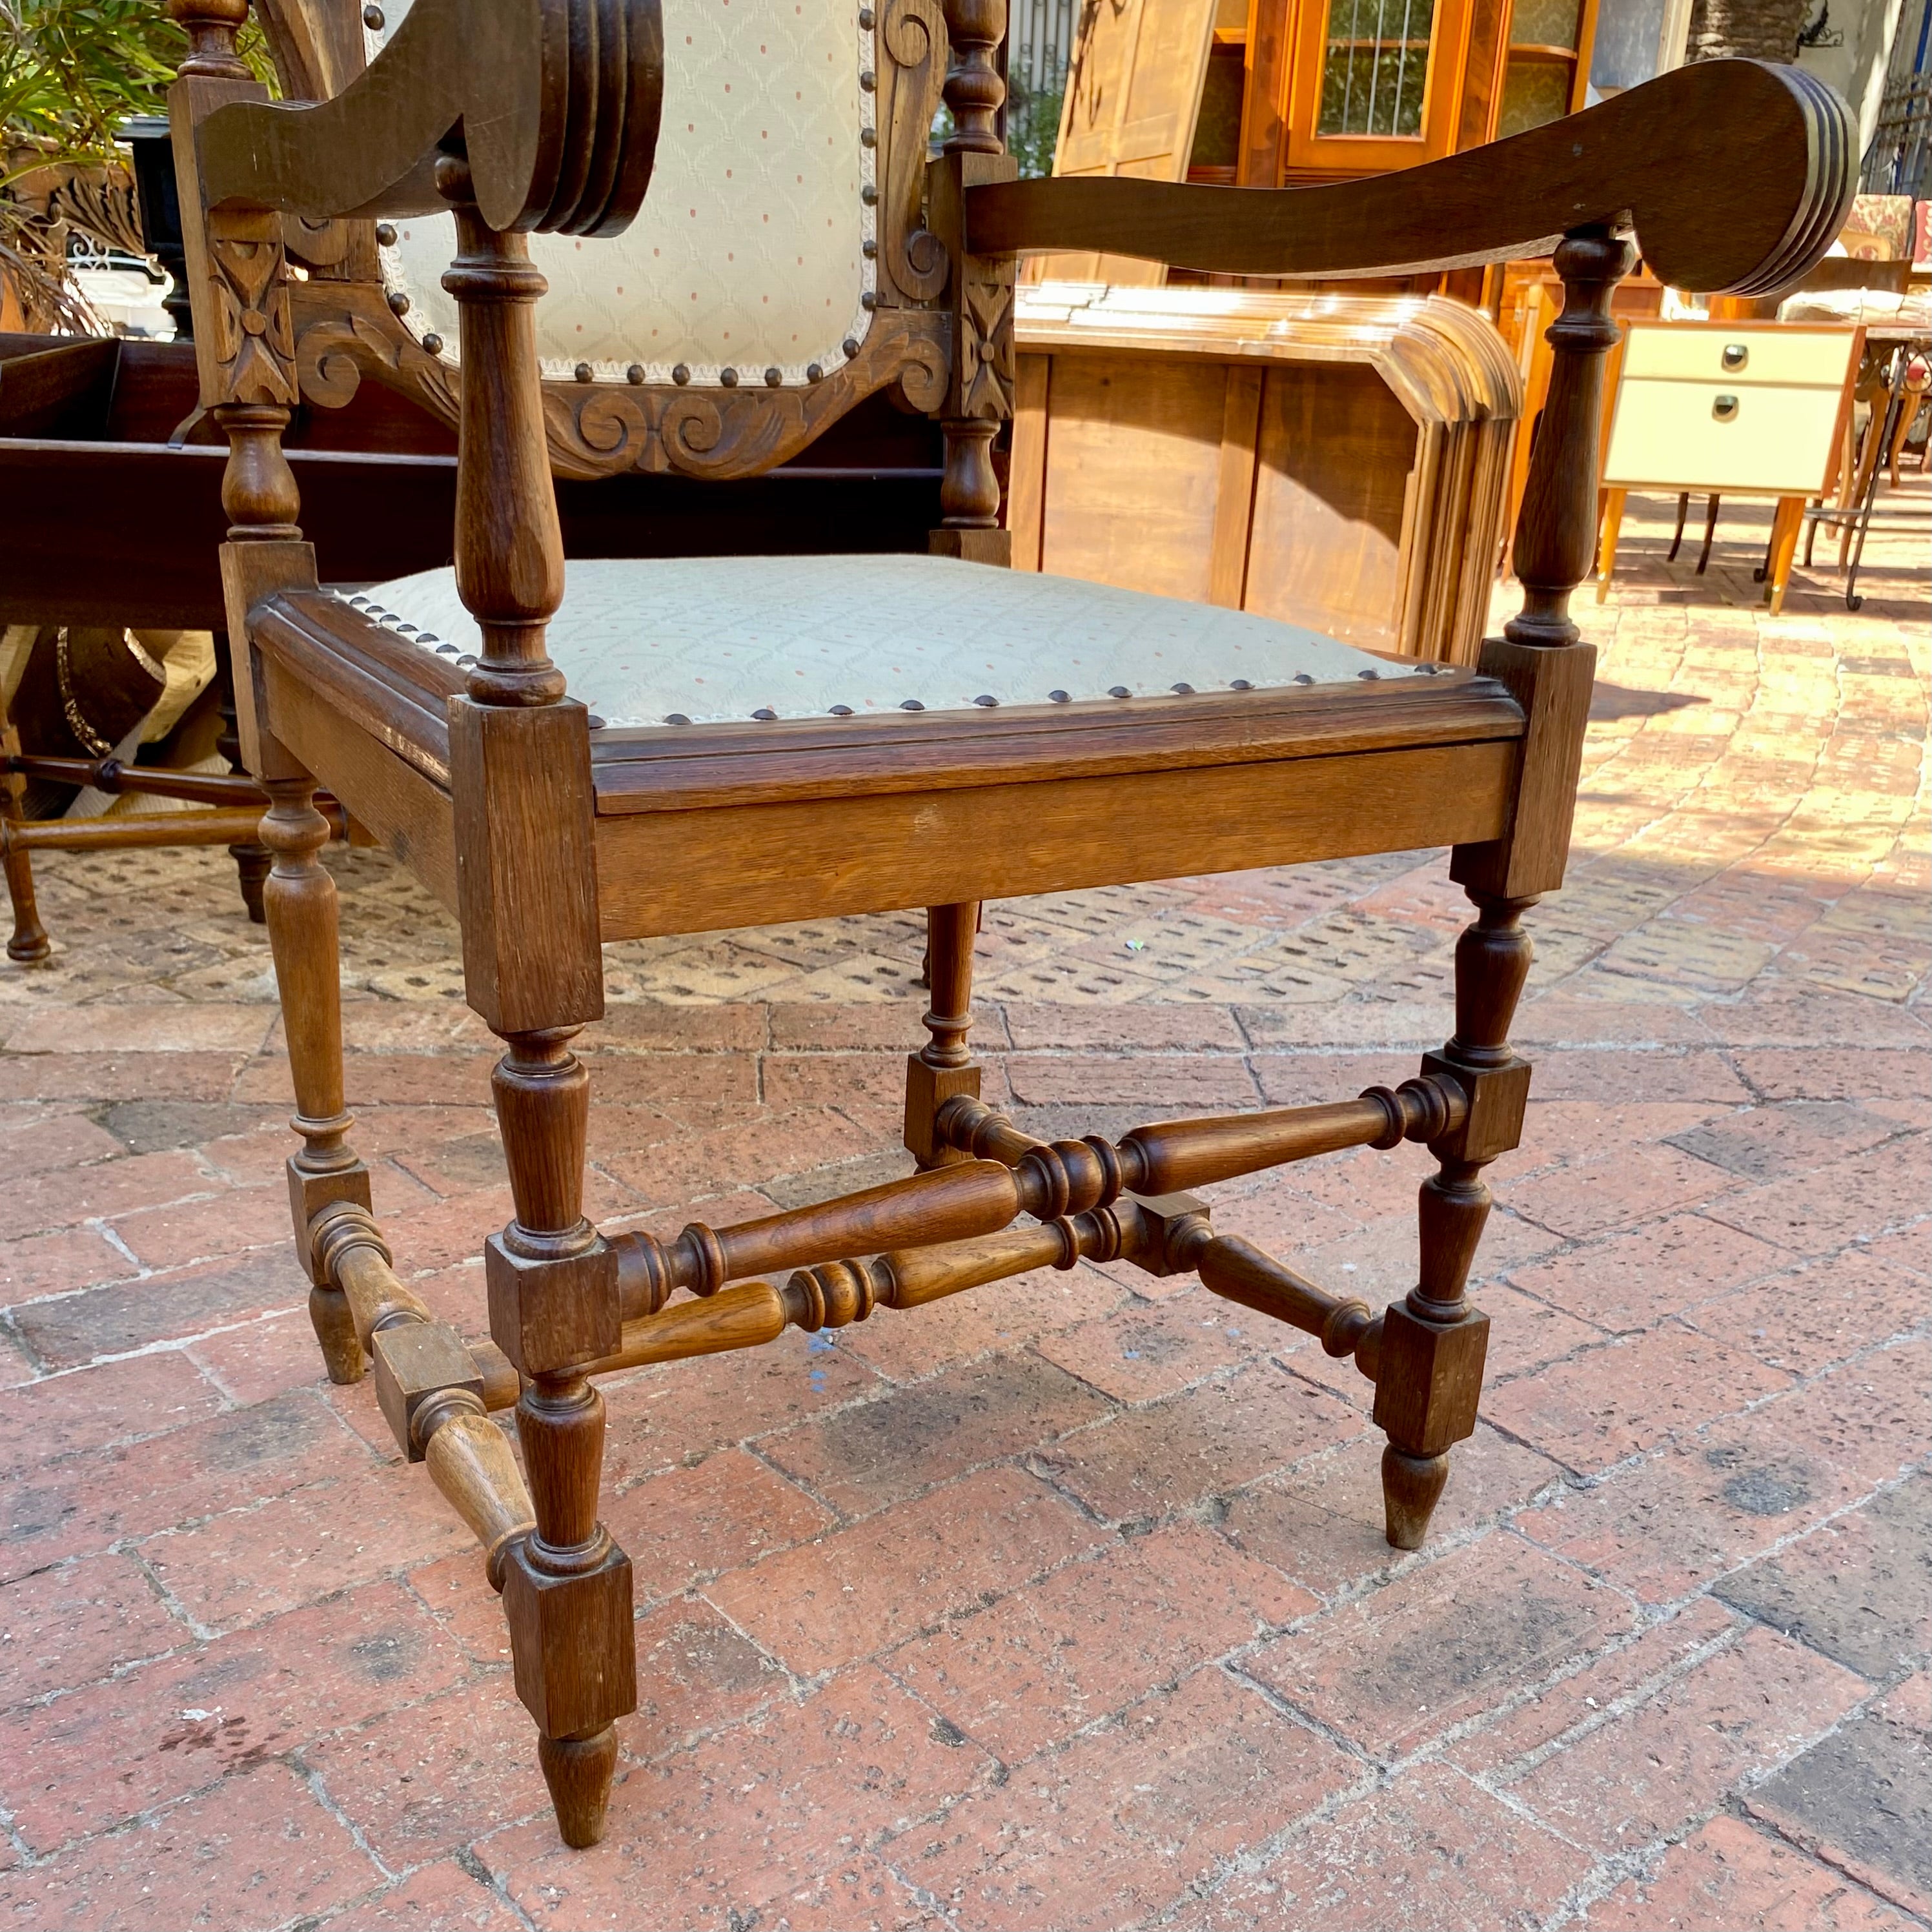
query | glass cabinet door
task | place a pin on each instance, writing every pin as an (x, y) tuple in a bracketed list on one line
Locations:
[(1541, 77), (1377, 83)]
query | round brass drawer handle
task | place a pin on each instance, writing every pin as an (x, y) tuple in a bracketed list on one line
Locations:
[(1724, 408), (1736, 355)]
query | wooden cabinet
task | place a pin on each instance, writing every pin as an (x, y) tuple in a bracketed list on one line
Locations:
[(1259, 93), (1334, 461), (1729, 409)]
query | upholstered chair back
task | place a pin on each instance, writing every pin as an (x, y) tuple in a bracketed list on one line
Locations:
[(751, 261)]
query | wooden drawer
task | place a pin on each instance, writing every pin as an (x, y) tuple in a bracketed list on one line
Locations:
[(1777, 441), (1782, 355)]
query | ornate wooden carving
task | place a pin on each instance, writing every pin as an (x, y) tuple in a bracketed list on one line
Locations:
[(344, 330), (596, 430), (913, 260), (254, 334)]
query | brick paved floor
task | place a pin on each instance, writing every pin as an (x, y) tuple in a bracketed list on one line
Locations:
[(1064, 1604)]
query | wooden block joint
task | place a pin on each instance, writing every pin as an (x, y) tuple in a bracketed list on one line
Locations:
[(973, 546), (310, 1193), (1429, 1378), (1164, 1220), (1498, 1096), (550, 1314), (572, 1641), (415, 1361), (927, 1089)]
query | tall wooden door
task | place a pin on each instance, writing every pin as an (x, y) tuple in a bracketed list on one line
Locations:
[(1133, 96)]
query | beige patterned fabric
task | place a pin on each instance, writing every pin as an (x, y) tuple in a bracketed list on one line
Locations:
[(748, 253), (710, 641)]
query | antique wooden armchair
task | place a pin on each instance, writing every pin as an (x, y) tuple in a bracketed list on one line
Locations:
[(652, 748)]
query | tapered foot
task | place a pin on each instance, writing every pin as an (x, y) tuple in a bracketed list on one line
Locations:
[(29, 944), (1412, 1487), (335, 1326), (252, 863), (578, 1771)]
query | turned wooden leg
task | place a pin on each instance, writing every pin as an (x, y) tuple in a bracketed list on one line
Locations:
[(1677, 535), (943, 1067), (299, 900), (1710, 531), (1785, 524), (1434, 1342), (252, 859), (553, 1308), (1609, 530), (29, 943)]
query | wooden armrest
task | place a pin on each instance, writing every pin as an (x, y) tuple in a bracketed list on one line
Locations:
[(1737, 176), (555, 102)]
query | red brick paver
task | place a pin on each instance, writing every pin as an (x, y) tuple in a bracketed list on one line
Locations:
[(1065, 1603)]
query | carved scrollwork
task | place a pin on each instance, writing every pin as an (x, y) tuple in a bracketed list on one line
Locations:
[(354, 336), (254, 333), (912, 34), (722, 433)]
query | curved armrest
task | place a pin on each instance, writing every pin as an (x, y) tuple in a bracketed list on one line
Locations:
[(1737, 176), (555, 102)]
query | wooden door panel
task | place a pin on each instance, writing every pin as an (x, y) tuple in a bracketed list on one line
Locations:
[(1336, 449), (1132, 489)]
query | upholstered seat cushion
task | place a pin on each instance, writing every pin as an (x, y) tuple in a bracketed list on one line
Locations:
[(720, 640)]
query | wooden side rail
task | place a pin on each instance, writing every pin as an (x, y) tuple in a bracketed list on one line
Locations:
[(218, 827), (1165, 1235), (841, 1292), (981, 1196), (436, 1388), (1773, 152), (113, 776)]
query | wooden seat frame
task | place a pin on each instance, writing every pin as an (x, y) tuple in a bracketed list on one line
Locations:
[(546, 835)]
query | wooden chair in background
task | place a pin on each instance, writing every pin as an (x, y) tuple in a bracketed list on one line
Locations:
[(624, 749)]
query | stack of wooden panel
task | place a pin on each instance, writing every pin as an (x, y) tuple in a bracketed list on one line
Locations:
[(1338, 461)]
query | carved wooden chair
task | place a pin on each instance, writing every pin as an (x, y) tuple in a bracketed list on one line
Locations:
[(621, 750)]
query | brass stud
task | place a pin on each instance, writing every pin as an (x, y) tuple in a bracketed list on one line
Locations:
[(386, 234), (774, 378), (373, 18), (867, 138), (911, 704), (433, 343), (635, 374), (868, 81), (866, 18), (815, 372), (1119, 690), (869, 195), (850, 346), (681, 375), (729, 377), (399, 303), (582, 372), (868, 301)]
